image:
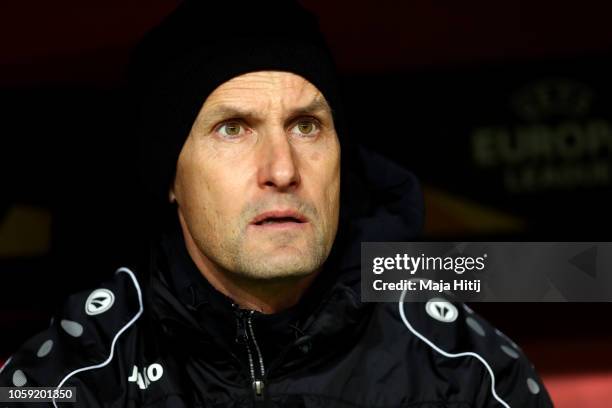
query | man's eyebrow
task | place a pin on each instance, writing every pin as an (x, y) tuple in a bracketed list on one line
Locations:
[(318, 104), (222, 112)]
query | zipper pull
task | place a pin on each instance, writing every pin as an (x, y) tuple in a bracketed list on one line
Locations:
[(258, 390)]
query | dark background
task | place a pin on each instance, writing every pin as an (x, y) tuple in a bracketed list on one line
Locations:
[(502, 109)]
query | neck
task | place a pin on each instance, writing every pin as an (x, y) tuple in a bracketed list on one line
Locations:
[(263, 295)]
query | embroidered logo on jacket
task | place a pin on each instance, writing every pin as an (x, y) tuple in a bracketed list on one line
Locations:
[(441, 310), (148, 375), (99, 301)]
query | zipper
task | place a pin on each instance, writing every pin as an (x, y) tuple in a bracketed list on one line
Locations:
[(247, 334)]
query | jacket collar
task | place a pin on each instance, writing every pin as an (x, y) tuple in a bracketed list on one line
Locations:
[(198, 319)]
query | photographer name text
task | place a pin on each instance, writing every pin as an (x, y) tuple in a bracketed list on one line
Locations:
[(455, 285)]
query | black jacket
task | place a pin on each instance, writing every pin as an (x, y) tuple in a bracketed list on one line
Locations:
[(169, 339)]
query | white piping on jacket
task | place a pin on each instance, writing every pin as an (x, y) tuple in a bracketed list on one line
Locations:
[(8, 360), (119, 333), (447, 354)]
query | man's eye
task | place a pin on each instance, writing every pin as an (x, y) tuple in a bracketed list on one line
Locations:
[(230, 129), (305, 128)]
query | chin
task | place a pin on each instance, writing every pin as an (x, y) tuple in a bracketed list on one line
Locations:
[(280, 267)]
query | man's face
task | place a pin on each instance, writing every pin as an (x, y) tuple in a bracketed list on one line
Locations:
[(258, 179)]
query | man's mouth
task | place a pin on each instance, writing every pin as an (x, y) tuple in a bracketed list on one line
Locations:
[(280, 218)]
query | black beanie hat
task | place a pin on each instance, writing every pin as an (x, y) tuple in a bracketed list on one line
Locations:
[(203, 44)]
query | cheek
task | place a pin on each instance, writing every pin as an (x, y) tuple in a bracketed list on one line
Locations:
[(214, 196), (194, 188), (325, 175), (315, 156), (333, 199), (334, 190)]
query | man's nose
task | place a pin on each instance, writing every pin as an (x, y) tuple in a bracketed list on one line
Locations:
[(278, 167)]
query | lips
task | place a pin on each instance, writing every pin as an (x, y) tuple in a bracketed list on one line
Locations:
[(279, 217)]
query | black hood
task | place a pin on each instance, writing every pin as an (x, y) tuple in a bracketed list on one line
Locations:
[(381, 201)]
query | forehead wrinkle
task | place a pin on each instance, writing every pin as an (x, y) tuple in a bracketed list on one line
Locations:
[(258, 98), (270, 83)]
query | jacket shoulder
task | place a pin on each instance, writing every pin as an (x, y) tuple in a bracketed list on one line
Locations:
[(83, 337), (480, 356)]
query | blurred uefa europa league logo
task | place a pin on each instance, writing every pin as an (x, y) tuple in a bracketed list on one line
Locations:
[(552, 98), (557, 141)]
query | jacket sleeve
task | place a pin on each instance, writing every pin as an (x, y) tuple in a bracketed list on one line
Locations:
[(509, 377), (44, 360), (517, 384), (486, 368), (80, 348)]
